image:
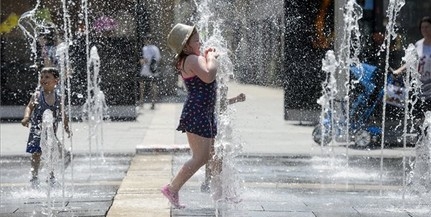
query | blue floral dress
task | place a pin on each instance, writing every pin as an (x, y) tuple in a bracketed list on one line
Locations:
[(198, 115)]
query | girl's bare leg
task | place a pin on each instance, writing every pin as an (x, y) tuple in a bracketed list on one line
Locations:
[(201, 153), (154, 91), (141, 92)]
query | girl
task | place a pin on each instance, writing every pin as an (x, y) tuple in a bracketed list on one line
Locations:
[(197, 118)]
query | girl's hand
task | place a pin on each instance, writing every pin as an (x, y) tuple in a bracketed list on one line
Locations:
[(240, 97), (24, 121), (67, 130), (397, 72), (210, 51)]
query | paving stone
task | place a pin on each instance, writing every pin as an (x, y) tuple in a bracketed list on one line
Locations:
[(132, 188), (90, 194)]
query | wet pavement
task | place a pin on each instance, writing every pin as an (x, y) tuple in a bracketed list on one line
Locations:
[(310, 187), (280, 171), (268, 186), (95, 183)]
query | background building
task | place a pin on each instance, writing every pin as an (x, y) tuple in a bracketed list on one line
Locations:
[(272, 43)]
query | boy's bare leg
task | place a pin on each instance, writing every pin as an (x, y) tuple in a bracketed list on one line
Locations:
[(67, 158), (35, 163)]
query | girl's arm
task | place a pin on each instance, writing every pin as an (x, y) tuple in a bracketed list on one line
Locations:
[(239, 98), (399, 70), (203, 67)]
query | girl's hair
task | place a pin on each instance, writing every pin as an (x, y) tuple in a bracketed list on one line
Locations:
[(423, 20), (181, 56), (52, 70)]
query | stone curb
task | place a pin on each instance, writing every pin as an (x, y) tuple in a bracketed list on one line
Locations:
[(162, 148)]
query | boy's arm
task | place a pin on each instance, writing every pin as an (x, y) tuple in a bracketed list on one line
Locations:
[(27, 112), (239, 98)]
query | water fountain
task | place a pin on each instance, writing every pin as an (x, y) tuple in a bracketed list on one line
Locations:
[(54, 147), (29, 28), (95, 107), (335, 101), (343, 62), (52, 157), (225, 187), (318, 170), (411, 85), (50, 153), (332, 64)]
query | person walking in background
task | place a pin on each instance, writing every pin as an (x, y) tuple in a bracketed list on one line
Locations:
[(423, 47), (197, 118), (47, 42), (51, 50), (422, 163), (46, 97), (150, 73)]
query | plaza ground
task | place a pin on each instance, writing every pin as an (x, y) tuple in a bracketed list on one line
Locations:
[(282, 172)]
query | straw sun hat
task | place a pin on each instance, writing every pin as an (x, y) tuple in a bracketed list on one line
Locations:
[(178, 37)]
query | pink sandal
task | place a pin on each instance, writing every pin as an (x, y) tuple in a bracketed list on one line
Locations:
[(172, 197)]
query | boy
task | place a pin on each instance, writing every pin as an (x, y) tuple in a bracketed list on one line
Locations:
[(44, 98)]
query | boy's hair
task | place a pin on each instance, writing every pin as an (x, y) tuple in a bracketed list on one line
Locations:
[(52, 70)]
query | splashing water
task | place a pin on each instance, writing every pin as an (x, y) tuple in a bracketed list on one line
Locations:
[(351, 41), (95, 106), (50, 154), (335, 117), (62, 53), (329, 90), (53, 150), (224, 187), (394, 8), (49, 143), (28, 25), (412, 85), (421, 175)]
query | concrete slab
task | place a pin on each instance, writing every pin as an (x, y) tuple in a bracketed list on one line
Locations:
[(139, 192)]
